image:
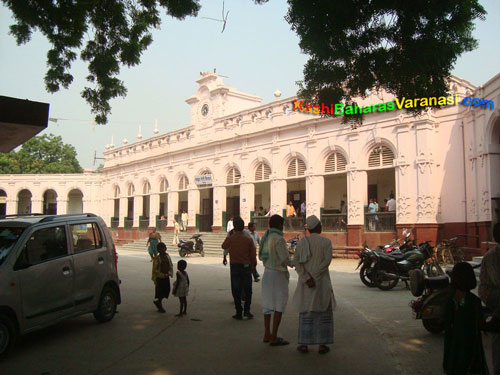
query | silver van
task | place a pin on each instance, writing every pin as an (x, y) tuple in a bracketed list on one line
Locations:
[(54, 267)]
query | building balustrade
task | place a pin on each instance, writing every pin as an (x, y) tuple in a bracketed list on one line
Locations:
[(144, 224), (380, 222), (334, 222), (128, 223)]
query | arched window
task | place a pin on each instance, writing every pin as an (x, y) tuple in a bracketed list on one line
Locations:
[(233, 176), (335, 163), (381, 156), (163, 185), (146, 189), (183, 183), (131, 190), (262, 172), (296, 168)]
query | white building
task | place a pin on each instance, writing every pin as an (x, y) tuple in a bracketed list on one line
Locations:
[(442, 167)]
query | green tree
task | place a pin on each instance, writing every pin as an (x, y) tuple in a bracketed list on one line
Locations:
[(407, 48), (117, 32), (42, 154)]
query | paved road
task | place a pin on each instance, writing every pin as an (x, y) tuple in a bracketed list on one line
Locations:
[(374, 332)]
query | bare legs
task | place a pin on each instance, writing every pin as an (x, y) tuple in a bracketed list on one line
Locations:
[(272, 337), (183, 306)]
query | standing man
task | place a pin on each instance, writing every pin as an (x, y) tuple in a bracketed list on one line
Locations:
[(153, 241), (303, 209), (230, 225), (489, 291), (276, 258), (175, 240), (314, 297), (242, 259), (184, 219), (290, 212), (256, 241), (391, 203)]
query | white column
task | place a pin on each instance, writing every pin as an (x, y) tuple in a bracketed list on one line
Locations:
[(123, 211), (278, 196), (62, 206), (193, 206), (357, 191), (405, 177), (154, 208), (172, 207), (137, 210), (219, 205), (36, 205), (247, 198), (11, 206), (315, 195)]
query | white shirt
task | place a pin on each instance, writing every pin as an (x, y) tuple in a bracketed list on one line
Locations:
[(391, 205), (230, 226)]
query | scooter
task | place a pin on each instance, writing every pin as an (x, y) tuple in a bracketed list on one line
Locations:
[(433, 293), (190, 247), (292, 244)]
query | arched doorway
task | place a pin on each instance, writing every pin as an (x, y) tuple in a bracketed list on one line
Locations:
[(381, 186), (3, 202), (204, 183), (233, 193), (50, 202), (183, 200), (24, 202), (115, 220), (75, 202), (146, 199), (295, 193), (334, 215), (129, 220), (262, 195)]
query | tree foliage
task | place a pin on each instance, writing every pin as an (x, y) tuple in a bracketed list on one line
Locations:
[(117, 32), (407, 48), (42, 154)]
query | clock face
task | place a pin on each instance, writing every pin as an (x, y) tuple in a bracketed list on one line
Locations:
[(204, 110)]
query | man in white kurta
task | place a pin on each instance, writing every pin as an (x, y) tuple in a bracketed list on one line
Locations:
[(314, 298)]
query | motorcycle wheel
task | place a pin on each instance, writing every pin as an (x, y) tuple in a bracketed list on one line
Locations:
[(202, 253), (366, 273), (384, 283), (434, 326), (433, 269), (182, 253)]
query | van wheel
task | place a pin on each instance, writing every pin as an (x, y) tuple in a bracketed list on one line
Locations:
[(8, 335), (107, 305)]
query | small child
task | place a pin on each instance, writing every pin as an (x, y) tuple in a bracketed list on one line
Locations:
[(181, 286), (463, 347)]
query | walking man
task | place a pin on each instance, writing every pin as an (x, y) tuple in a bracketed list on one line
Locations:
[(242, 259), (489, 291), (314, 297), (175, 240), (184, 219), (276, 258)]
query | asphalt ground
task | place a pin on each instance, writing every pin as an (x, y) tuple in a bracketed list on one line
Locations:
[(375, 332)]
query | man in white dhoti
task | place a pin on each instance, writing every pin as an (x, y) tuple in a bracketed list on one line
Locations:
[(275, 256), (314, 298)]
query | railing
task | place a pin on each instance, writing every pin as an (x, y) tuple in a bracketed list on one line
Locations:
[(115, 222), (161, 225), (206, 222), (261, 223), (334, 222), (380, 222), (144, 224), (294, 224), (128, 224)]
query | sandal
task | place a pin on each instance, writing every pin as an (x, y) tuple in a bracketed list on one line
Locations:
[(303, 349), (323, 349), (279, 342)]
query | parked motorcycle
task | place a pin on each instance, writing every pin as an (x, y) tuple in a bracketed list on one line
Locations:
[(190, 247), (433, 293), (367, 263), (391, 269), (292, 244)]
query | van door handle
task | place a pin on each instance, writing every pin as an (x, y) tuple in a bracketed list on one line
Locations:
[(66, 271), (100, 260)]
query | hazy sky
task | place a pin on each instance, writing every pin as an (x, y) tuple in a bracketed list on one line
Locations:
[(257, 51)]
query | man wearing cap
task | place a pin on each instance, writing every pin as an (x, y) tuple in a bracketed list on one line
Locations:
[(313, 298)]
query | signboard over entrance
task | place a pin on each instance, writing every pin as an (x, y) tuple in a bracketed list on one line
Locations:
[(204, 179)]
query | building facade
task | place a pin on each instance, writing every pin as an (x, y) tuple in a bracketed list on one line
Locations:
[(241, 157)]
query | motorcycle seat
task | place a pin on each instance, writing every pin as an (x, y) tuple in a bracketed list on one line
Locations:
[(189, 243), (437, 282), (391, 257)]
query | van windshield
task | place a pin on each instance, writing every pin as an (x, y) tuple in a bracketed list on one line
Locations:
[(8, 239)]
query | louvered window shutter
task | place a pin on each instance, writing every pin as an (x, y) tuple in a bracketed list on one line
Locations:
[(381, 156)]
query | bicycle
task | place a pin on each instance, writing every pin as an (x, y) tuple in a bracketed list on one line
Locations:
[(448, 253)]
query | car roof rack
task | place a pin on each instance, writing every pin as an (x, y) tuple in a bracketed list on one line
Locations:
[(20, 215), (66, 216)]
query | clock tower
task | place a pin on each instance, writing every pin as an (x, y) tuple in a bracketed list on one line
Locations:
[(214, 99)]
